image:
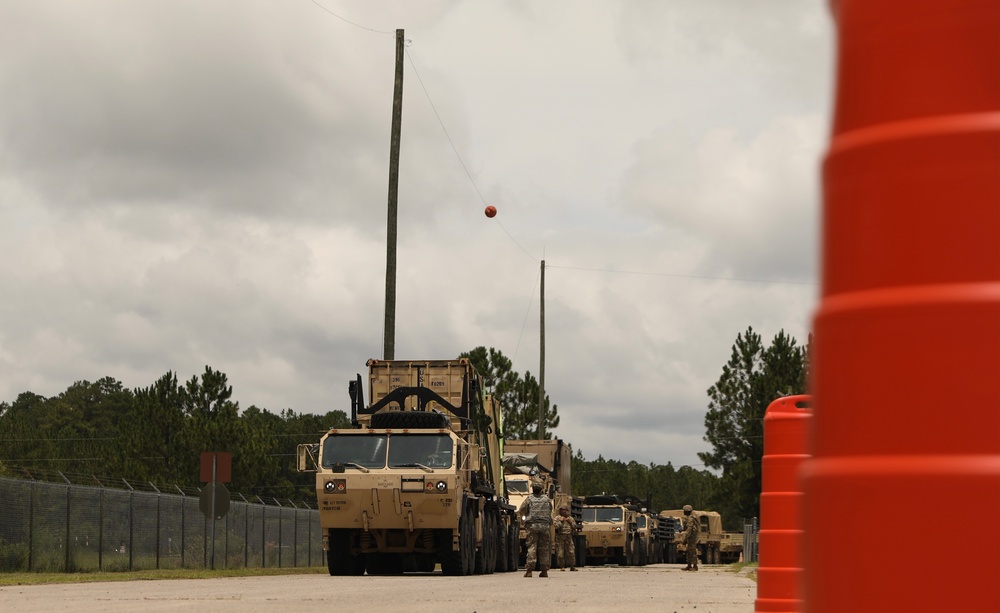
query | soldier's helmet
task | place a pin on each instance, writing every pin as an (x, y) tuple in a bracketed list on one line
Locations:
[(536, 488), (687, 508)]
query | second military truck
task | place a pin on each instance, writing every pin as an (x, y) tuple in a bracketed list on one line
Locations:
[(417, 480)]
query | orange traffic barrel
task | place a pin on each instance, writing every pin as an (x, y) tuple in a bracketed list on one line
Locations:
[(780, 569), (902, 492)]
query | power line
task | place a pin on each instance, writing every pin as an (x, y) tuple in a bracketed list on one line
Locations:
[(680, 276), (458, 155), (345, 20), (526, 313)]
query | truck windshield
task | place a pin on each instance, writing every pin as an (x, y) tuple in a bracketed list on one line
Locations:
[(364, 450), (599, 514), (517, 487), (640, 522), (430, 450)]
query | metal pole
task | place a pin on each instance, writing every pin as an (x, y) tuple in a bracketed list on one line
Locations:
[(215, 463), (541, 362)]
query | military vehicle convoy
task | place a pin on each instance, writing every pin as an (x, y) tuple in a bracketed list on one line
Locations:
[(547, 462), (715, 546), (649, 544), (610, 526), (417, 480)]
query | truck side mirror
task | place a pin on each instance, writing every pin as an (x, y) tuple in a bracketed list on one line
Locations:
[(306, 457)]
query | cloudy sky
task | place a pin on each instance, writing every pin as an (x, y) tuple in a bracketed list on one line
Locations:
[(191, 183)]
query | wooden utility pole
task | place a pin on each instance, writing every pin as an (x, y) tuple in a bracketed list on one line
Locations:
[(541, 363), (389, 327)]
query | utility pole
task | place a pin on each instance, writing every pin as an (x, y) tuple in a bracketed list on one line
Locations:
[(389, 327), (541, 363)]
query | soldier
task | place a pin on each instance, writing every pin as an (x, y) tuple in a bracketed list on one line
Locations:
[(565, 528), (537, 511), (690, 537)]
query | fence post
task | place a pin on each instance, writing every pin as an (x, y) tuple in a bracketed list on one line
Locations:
[(281, 520), (100, 529), (159, 536), (246, 532), (66, 561), (183, 527), (263, 533), (131, 524)]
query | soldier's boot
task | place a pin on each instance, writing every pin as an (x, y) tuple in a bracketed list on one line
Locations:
[(688, 567), (572, 569), (544, 573), (695, 567), (527, 572)]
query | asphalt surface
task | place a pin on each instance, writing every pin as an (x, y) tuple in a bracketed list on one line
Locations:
[(662, 588)]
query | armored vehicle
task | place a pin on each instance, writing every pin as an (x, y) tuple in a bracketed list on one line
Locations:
[(547, 462), (611, 530), (715, 546), (417, 480)]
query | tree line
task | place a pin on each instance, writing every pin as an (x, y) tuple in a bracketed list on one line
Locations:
[(105, 431)]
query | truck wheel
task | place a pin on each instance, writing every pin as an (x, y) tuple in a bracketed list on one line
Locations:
[(339, 559), (410, 419), (481, 552), (514, 546), (503, 556), (489, 554), (451, 561), (468, 539)]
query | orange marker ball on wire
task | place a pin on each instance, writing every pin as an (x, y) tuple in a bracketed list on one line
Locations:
[(491, 211)]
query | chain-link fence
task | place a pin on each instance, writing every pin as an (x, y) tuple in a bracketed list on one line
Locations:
[(751, 530), (77, 528)]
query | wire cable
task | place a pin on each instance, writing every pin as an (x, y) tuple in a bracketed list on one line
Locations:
[(345, 20)]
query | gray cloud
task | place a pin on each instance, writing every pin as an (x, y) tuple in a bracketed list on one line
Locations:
[(189, 184)]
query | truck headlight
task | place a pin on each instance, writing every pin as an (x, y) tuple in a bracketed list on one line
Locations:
[(441, 487), (337, 486)]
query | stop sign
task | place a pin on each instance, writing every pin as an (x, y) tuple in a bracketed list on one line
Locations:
[(220, 494)]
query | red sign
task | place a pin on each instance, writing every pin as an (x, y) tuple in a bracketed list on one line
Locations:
[(223, 466)]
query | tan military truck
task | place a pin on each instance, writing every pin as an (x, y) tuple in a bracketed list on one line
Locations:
[(715, 546), (549, 463), (610, 527), (650, 548), (417, 480)]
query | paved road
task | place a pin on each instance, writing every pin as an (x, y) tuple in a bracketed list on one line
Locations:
[(658, 588)]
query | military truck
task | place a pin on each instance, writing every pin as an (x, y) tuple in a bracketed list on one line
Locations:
[(668, 527), (417, 480), (649, 544), (610, 526), (547, 462), (715, 546)]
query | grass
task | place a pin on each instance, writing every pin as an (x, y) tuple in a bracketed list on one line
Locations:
[(147, 575), (745, 568)]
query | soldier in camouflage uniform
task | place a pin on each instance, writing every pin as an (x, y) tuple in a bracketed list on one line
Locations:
[(565, 549), (690, 537), (537, 509)]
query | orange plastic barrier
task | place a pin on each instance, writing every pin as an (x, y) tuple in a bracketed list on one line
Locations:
[(902, 493), (779, 574)]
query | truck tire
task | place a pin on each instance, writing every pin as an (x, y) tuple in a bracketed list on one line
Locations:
[(481, 552), (485, 556), (514, 546), (339, 559), (410, 419), (503, 556), (463, 561)]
